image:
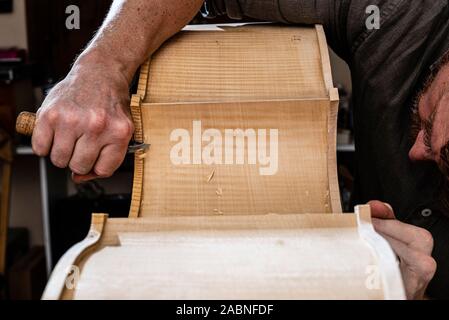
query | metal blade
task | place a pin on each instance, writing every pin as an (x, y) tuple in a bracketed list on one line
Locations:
[(133, 148)]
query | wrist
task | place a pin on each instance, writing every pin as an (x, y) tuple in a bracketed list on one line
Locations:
[(96, 60)]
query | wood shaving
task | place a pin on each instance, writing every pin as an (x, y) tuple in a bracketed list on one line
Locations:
[(211, 176), (142, 156)]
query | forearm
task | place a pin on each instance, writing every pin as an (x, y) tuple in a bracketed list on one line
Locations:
[(84, 122), (133, 30)]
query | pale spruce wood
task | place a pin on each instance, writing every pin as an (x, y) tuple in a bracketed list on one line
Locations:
[(301, 184), (298, 67), (148, 257)]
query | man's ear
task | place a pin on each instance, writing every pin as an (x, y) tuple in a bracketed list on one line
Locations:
[(381, 210)]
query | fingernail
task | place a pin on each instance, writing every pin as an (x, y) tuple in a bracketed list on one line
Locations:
[(389, 206)]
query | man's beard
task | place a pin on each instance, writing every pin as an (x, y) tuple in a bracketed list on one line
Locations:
[(417, 124)]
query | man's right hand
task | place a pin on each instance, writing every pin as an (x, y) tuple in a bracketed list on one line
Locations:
[(85, 123)]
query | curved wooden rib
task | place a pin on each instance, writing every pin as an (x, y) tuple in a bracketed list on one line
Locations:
[(387, 262), (332, 170), (136, 195), (137, 191), (68, 264), (136, 101)]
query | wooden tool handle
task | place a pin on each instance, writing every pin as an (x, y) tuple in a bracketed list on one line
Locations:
[(25, 123)]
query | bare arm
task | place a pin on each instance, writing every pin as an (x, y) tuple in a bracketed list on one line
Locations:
[(134, 29), (84, 123)]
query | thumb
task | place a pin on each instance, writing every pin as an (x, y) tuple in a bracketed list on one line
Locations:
[(381, 210)]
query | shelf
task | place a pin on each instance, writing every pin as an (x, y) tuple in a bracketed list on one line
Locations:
[(24, 151), (346, 148)]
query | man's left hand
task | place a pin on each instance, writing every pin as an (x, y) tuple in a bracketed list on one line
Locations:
[(412, 244)]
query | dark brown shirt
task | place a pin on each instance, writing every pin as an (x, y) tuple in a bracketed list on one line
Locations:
[(388, 66)]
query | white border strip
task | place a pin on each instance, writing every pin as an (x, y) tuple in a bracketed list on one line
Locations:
[(392, 283), (219, 27)]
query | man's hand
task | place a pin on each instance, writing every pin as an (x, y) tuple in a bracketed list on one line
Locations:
[(85, 123), (413, 245)]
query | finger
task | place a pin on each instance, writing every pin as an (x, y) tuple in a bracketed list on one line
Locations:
[(381, 210), (87, 150), (62, 149), (110, 159), (83, 178), (42, 138), (401, 249), (416, 238), (417, 268), (422, 264)]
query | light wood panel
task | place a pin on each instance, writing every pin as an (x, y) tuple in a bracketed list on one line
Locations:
[(245, 264), (299, 185), (238, 64), (306, 256), (231, 68)]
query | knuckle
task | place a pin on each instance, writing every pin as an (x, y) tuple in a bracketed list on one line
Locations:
[(52, 115), (124, 130), (58, 162), (103, 172), (131, 128), (70, 120), (38, 146), (97, 124), (429, 267), (78, 168), (425, 237), (38, 149)]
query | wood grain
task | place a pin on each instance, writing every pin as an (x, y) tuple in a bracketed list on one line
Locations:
[(245, 264), (238, 64), (297, 256), (300, 185)]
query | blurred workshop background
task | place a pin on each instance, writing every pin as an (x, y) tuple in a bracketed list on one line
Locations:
[(42, 213)]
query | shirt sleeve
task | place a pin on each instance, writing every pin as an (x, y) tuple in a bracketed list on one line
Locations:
[(286, 11), (344, 20)]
